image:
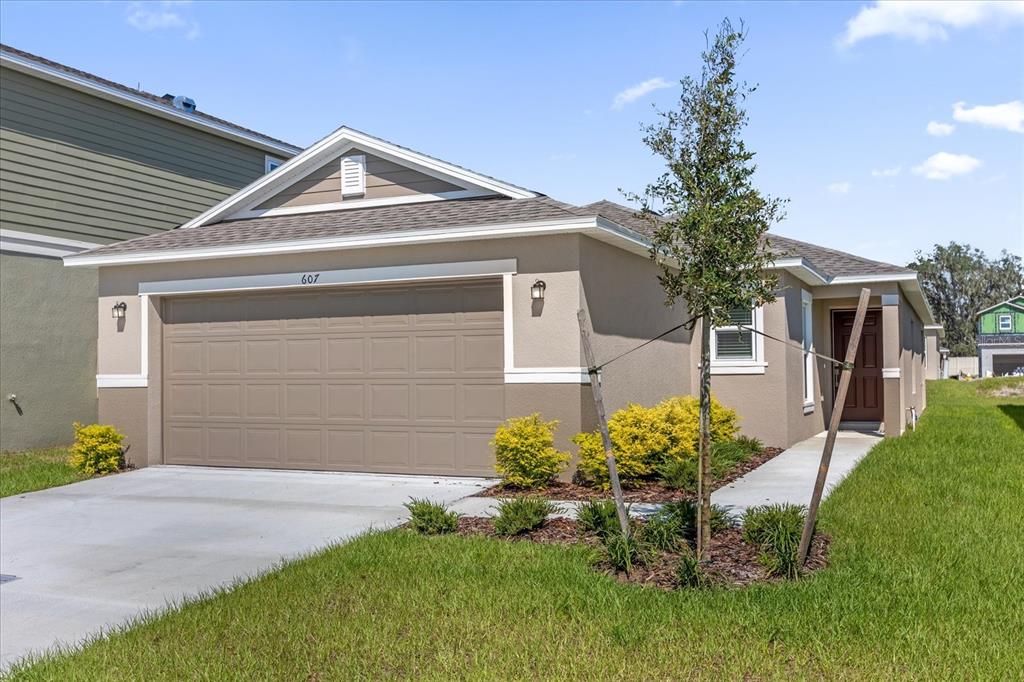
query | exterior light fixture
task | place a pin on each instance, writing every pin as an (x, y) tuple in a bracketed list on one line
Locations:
[(537, 290), (117, 312)]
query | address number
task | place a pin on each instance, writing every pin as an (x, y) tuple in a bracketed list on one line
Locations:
[(310, 277)]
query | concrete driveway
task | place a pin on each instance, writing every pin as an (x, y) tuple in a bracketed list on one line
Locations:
[(94, 554)]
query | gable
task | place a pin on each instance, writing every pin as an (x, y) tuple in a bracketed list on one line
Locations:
[(383, 179)]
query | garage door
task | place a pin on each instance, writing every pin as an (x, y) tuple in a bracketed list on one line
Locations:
[(378, 379)]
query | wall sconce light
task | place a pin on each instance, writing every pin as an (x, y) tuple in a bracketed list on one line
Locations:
[(117, 312), (537, 290)]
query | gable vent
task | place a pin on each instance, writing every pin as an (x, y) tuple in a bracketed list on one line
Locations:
[(353, 175)]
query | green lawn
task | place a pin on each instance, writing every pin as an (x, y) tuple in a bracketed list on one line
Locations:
[(926, 582), (23, 472)]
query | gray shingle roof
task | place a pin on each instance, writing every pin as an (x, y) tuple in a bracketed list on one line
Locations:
[(156, 99), (462, 213)]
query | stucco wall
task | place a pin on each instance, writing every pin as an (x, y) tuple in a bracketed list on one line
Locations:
[(48, 350)]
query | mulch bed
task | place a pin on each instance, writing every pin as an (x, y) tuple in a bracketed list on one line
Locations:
[(732, 562), (649, 491)]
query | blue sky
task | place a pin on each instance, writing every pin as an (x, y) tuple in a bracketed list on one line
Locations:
[(528, 93)]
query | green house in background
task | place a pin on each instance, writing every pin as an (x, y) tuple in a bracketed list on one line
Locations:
[(84, 162), (1001, 337)]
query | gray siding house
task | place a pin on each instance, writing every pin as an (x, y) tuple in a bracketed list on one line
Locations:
[(86, 162)]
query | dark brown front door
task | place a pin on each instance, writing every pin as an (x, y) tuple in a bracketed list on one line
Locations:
[(864, 397)]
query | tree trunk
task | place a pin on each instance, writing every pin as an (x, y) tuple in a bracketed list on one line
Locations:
[(704, 445)]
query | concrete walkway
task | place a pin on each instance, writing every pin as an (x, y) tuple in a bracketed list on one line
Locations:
[(790, 476), (92, 555)]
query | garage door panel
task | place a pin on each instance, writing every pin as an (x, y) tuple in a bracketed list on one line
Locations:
[(401, 379), (303, 356)]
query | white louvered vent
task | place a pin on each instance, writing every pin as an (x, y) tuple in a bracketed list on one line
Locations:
[(353, 175)]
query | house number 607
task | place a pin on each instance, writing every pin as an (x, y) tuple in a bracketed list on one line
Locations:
[(310, 278)]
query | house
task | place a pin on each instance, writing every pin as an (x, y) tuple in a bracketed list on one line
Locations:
[(936, 358), (86, 162), (366, 307), (1001, 337)]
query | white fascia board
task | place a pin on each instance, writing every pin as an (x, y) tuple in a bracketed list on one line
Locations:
[(24, 65), (869, 279), (338, 142), (801, 269), (1008, 302), (16, 241), (357, 203), (563, 226)]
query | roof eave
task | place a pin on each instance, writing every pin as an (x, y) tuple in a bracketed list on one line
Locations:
[(25, 65)]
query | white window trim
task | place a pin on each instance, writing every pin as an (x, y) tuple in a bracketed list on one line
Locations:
[(268, 160), (1009, 323), (755, 365), (807, 320)]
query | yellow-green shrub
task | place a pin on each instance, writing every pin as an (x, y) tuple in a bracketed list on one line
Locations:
[(643, 438), (97, 449), (525, 454)]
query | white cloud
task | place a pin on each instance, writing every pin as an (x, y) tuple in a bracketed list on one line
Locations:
[(635, 92), (886, 172), (1008, 116), (840, 187), (943, 166), (939, 129), (924, 20), (155, 16)]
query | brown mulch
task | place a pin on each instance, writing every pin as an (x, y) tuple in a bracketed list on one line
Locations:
[(731, 561), (648, 491)]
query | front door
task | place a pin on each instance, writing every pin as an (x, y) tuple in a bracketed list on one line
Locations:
[(864, 399)]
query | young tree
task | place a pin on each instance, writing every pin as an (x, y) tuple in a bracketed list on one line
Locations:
[(709, 222), (959, 281)]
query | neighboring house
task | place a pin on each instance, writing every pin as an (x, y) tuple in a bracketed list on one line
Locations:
[(1001, 337), (369, 308), (85, 162)]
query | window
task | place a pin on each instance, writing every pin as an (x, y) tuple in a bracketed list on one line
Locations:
[(271, 163), (735, 349), (807, 314), (1005, 323)]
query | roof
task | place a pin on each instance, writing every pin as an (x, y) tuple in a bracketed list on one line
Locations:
[(1014, 302), (24, 58)]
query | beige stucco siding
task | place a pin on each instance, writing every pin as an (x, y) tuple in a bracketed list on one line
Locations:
[(384, 179), (933, 359), (626, 306)]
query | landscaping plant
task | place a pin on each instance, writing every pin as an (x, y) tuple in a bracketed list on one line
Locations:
[(525, 454), (624, 550), (684, 513), (664, 532), (597, 516), (431, 518), (709, 224), (775, 529), (522, 514), (97, 449), (690, 573)]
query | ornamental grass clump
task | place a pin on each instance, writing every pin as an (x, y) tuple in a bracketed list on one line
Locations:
[(97, 449), (647, 440), (431, 518), (525, 454), (775, 530), (625, 550), (522, 514), (598, 516)]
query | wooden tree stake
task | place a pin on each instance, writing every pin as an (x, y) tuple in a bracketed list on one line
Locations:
[(602, 422), (833, 427)]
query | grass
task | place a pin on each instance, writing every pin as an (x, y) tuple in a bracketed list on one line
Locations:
[(23, 472), (925, 582)]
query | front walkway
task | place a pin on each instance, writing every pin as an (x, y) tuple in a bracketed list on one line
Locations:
[(789, 477), (90, 556)]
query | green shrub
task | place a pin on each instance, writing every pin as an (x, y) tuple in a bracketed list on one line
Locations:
[(522, 514), (97, 449), (624, 551), (690, 573), (752, 445), (664, 533), (775, 529), (645, 438), (684, 513), (725, 456), (525, 454), (431, 518), (598, 516), (680, 474)]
